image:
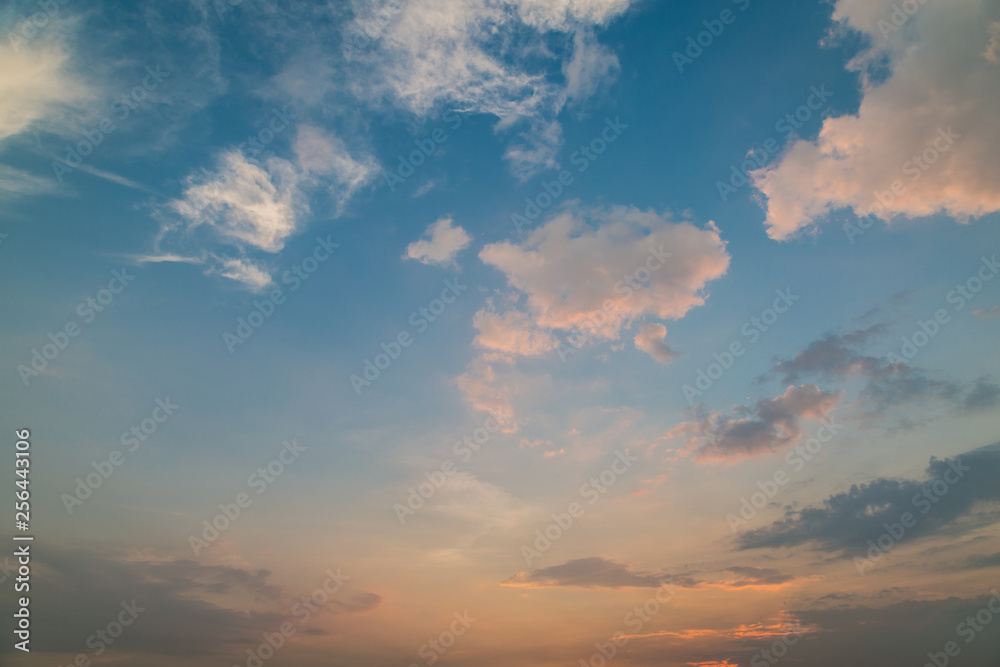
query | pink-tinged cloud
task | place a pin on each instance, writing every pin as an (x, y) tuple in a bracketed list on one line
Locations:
[(771, 425), (651, 339), (599, 270), (511, 333), (928, 130)]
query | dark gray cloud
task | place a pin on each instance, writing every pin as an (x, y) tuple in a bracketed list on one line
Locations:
[(189, 610), (594, 572), (770, 425), (846, 521)]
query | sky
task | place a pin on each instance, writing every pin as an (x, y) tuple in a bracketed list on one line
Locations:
[(501, 332)]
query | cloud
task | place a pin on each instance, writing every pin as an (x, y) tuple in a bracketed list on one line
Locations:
[(512, 333), (772, 424), (591, 572), (983, 314), (325, 158), (488, 393), (18, 183), (441, 243), (846, 521), (651, 339), (943, 81), (602, 269), (190, 609), (39, 87), (245, 202), (483, 56), (752, 577)]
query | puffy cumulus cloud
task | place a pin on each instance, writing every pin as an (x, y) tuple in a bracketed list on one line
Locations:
[(482, 56), (602, 269), (511, 333), (846, 521), (770, 425), (651, 339), (928, 126), (442, 241), (39, 87), (591, 572)]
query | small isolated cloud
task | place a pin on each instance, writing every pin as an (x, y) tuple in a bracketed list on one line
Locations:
[(943, 63), (987, 313), (756, 577), (440, 244), (591, 572), (651, 339), (603, 269), (846, 521), (770, 425)]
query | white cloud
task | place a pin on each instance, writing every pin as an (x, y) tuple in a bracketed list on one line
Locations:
[(651, 339), (322, 154), (252, 204), (471, 56), (441, 243), (512, 333), (943, 75)]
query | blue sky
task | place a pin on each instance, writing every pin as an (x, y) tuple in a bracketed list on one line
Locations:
[(182, 230)]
